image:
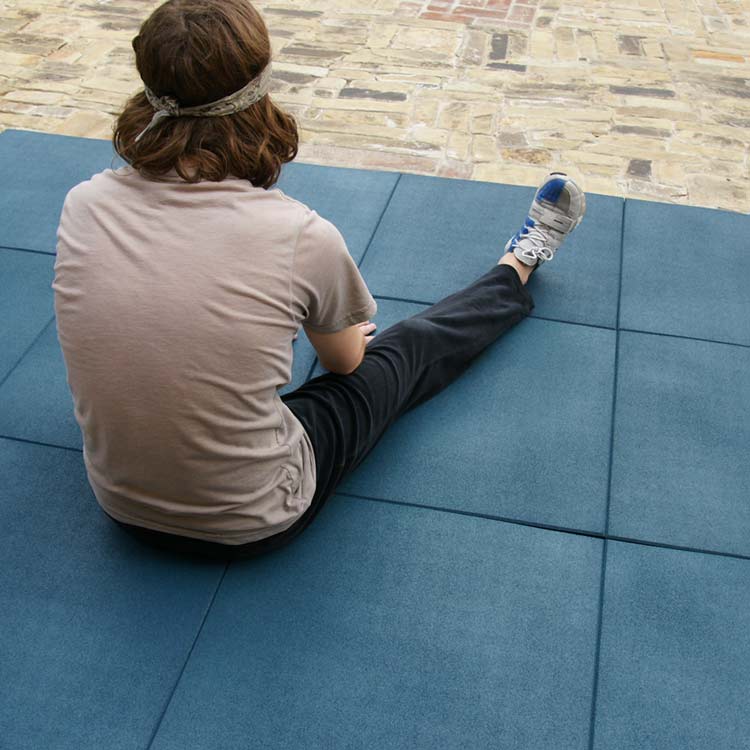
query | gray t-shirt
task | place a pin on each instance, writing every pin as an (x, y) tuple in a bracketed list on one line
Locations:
[(176, 308)]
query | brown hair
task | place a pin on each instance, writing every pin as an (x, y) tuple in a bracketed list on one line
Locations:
[(199, 51)]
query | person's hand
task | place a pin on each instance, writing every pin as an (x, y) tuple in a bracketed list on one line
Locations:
[(367, 328)]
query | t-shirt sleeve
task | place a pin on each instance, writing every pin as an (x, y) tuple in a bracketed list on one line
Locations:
[(328, 289)]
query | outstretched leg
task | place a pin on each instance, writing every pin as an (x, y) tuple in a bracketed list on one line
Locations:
[(404, 366), (346, 415)]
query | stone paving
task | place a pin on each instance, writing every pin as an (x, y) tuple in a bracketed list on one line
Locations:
[(638, 98)]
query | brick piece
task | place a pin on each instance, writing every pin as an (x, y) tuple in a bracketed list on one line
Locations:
[(640, 168)]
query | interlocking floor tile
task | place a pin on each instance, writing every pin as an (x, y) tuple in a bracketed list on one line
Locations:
[(94, 627), (36, 172), (685, 272), (25, 303), (524, 433), (681, 466), (674, 668), (35, 400), (438, 235), (393, 627)]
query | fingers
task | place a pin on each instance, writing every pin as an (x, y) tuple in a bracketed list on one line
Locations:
[(366, 328)]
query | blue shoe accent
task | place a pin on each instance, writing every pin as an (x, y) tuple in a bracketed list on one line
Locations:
[(528, 223), (551, 191)]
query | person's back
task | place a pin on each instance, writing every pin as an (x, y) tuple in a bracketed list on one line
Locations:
[(176, 307), (180, 283)]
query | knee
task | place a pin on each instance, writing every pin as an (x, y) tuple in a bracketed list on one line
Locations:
[(401, 343), (410, 328), (405, 344)]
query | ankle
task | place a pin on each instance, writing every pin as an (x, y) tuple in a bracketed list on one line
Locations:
[(524, 271)]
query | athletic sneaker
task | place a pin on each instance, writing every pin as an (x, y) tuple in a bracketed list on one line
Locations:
[(557, 209)]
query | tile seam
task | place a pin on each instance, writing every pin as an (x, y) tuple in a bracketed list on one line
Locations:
[(380, 219), (597, 648), (616, 372), (475, 514), (28, 250), (685, 338), (546, 527), (187, 658), (26, 351), (603, 575), (40, 443)]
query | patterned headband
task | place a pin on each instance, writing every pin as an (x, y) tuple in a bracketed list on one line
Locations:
[(168, 106)]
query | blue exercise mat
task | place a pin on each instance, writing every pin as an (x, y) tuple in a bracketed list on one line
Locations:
[(683, 425), (685, 272), (675, 650), (26, 305), (393, 627), (94, 627), (552, 552)]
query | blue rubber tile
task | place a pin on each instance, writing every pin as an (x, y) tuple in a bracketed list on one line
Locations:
[(393, 627), (686, 271), (438, 235), (674, 669), (94, 626), (524, 433), (35, 400), (26, 304), (353, 199), (36, 172), (680, 472)]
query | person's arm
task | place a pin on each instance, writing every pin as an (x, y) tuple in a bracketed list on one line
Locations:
[(331, 297), (340, 352)]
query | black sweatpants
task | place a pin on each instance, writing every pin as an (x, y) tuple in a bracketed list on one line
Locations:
[(404, 366)]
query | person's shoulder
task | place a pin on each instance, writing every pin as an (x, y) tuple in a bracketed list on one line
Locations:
[(98, 185), (292, 204), (311, 222), (309, 213)]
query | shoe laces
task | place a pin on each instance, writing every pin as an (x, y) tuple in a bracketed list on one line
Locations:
[(535, 242)]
